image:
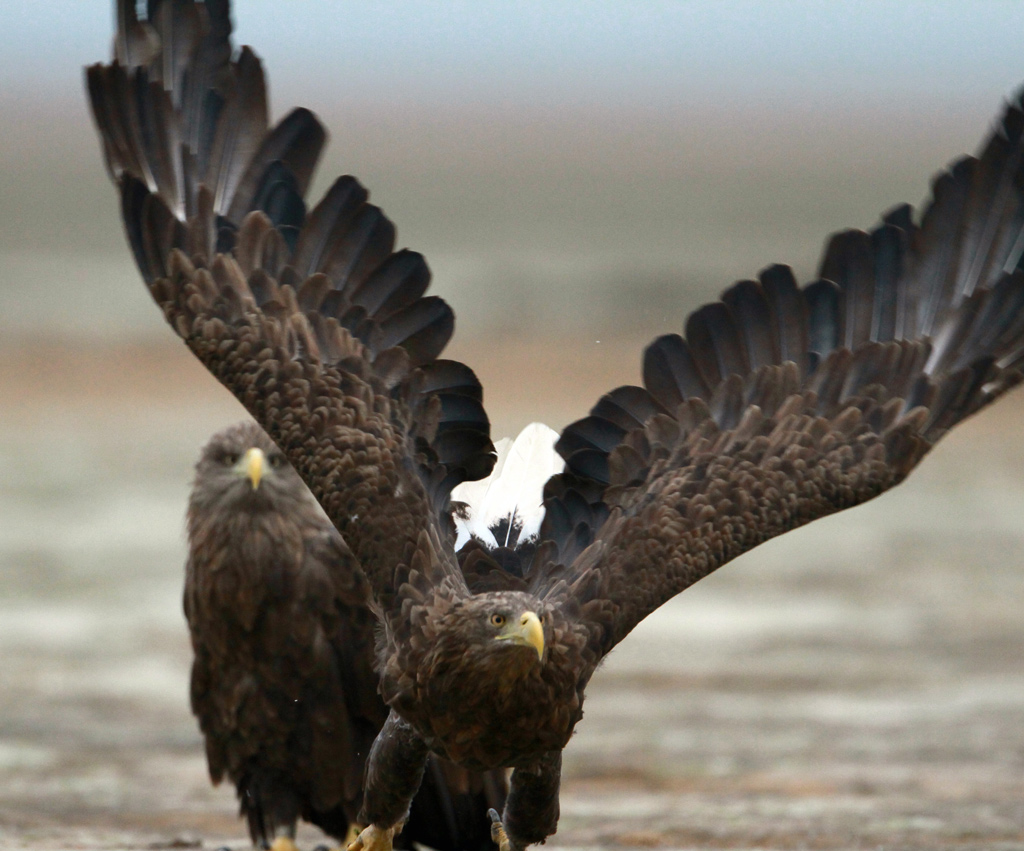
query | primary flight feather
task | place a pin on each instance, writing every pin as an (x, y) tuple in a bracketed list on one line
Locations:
[(779, 405)]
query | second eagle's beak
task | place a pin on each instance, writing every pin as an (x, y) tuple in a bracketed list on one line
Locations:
[(252, 463), (528, 632)]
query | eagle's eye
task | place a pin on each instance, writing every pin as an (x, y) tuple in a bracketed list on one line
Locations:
[(276, 461), (229, 459), (497, 620)]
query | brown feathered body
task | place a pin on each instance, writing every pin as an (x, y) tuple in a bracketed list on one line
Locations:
[(283, 683), (524, 711), (780, 403)]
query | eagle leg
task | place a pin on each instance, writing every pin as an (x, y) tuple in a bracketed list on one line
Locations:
[(394, 772), (531, 810)]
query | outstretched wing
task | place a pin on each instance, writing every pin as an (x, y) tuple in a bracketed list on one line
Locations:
[(311, 319), (782, 405)]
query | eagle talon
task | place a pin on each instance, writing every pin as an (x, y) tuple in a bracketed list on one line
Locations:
[(354, 829), (374, 838), (498, 834), (283, 843)]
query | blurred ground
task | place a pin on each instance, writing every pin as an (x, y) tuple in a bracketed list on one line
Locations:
[(856, 684)]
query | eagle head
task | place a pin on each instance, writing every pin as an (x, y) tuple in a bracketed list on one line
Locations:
[(517, 626), (496, 672), (506, 630), (241, 468)]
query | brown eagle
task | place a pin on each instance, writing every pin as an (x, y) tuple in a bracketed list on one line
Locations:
[(283, 682), (779, 405)]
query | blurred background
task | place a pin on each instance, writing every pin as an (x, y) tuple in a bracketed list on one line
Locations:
[(580, 176)]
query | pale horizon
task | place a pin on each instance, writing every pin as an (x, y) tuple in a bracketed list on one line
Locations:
[(632, 160)]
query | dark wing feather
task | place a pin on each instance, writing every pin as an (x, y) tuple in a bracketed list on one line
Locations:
[(670, 373), (330, 218), (782, 405), (748, 306), (332, 366), (295, 143), (787, 315), (240, 130)]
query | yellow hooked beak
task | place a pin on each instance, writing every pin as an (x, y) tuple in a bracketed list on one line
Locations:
[(528, 632), (252, 463)]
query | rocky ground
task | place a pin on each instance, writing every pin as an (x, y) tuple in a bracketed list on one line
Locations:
[(857, 684)]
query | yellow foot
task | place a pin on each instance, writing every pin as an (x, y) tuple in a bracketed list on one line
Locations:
[(283, 843), (353, 834), (498, 835), (374, 838)]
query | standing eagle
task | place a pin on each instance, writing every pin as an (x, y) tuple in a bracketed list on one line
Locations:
[(283, 682), (779, 405)]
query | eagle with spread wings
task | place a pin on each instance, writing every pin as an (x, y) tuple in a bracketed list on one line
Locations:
[(779, 405)]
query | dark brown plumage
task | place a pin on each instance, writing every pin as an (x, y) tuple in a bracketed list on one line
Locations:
[(779, 406), (283, 682)]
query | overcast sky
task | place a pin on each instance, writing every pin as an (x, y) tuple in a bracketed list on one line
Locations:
[(548, 148), (600, 51)]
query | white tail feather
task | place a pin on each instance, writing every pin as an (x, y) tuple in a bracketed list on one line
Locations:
[(514, 491)]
